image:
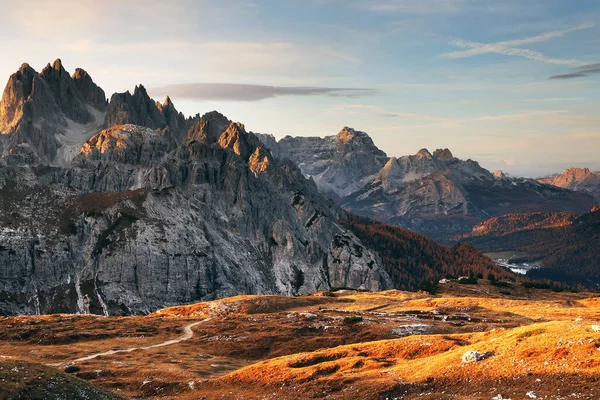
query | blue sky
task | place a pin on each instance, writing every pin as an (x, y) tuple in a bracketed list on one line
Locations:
[(471, 75)]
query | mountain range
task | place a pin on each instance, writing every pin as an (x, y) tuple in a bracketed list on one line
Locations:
[(578, 179), (125, 206), (435, 194)]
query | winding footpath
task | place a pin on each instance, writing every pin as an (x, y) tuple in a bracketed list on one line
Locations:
[(188, 333)]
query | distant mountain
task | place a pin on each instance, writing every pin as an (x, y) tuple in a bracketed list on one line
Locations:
[(339, 164), (440, 195), (435, 194), (578, 179), (566, 244)]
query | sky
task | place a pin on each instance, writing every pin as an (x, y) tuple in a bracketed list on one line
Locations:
[(512, 84)]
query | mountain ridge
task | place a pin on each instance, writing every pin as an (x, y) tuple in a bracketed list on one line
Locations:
[(435, 194)]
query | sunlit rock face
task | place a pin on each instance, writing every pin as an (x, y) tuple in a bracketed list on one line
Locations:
[(141, 215), (578, 179)]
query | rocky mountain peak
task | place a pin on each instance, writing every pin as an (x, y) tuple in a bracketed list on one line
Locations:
[(57, 65), (499, 174), (137, 109), (424, 154), (577, 173), (339, 164), (67, 95), (443, 154), (208, 128), (18, 90), (91, 92), (347, 134), (579, 179), (357, 139)]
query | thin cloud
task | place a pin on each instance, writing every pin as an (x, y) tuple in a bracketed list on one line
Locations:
[(413, 7), (245, 92), (568, 76), (510, 47), (582, 72)]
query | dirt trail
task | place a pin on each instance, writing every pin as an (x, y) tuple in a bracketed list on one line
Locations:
[(188, 333)]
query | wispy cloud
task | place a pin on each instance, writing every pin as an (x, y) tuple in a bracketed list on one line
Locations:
[(552, 100), (412, 6), (437, 119), (582, 72), (243, 92), (511, 47)]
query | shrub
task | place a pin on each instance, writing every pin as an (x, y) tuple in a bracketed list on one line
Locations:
[(71, 369), (353, 319)]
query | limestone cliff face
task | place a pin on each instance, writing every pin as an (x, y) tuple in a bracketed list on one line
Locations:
[(140, 221), (339, 164)]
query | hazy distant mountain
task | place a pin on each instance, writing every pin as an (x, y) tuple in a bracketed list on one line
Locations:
[(578, 179), (339, 164), (436, 194)]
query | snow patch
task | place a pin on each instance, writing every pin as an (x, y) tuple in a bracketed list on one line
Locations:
[(76, 135)]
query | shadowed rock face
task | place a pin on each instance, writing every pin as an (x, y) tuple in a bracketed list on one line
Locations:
[(136, 109), (66, 93), (92, 93), (140, 109)]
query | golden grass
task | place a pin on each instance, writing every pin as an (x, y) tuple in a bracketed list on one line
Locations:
[(263, 347)]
